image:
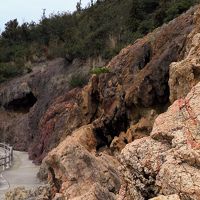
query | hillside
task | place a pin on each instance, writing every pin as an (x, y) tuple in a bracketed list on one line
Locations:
[(130, 131), (100, 30)]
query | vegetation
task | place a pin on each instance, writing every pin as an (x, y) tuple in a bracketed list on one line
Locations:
[(99, 70), (78, 80), (8, 70), (101, 29)]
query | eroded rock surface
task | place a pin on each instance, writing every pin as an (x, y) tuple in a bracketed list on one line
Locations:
[(185, 74), (168, 161), (77, 172), (136, 85), (170, 197), (21, 193), (24, 100)]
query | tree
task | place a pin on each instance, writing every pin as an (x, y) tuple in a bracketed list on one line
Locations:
[(92, 2), (78, 6), (43, 13), (11, 29)]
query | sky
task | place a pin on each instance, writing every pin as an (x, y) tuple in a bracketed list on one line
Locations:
[(27, 11)]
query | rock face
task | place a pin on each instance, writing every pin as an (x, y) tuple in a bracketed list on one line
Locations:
[(168, 161), (121, 106), (77, 173), (171, 197), (21, 193), (57, 123), (26, 99), (136, 85), (186, 73)]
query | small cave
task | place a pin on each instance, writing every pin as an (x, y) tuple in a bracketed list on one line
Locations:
[(21, 104)]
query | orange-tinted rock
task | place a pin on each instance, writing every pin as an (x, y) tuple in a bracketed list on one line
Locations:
[(77, 173), (136, 131)]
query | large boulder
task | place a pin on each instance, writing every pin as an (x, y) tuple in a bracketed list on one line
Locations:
[(167, 162), (77, 172)]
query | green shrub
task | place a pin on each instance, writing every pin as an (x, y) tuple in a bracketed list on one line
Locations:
[(99, 70), (177, 8), (8, 70), (78, 80)]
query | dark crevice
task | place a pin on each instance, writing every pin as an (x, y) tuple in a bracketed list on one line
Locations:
[(110, 129), (21, 104), (196, 72), (149, 191), (125, 141), (57, 183), (146, 57), (95, 104)]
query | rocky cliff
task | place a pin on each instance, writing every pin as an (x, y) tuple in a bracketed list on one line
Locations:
[(26, 101), (113, 142), (167, 162)]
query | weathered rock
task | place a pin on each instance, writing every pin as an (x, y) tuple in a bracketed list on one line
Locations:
[(112, 102), (60, 119), (168, 161), (143, 68), (136, 131), (96, 192), (141, 162), (12, 129), (59, 196), (138, 81), (171, 197), (18, 91), (21, 193), (186, 73), (26, 99), (77, 173)]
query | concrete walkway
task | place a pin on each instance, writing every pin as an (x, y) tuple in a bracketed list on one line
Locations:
[(22, 173)]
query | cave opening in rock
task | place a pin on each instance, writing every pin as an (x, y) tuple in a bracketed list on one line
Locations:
[(22, 104)]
